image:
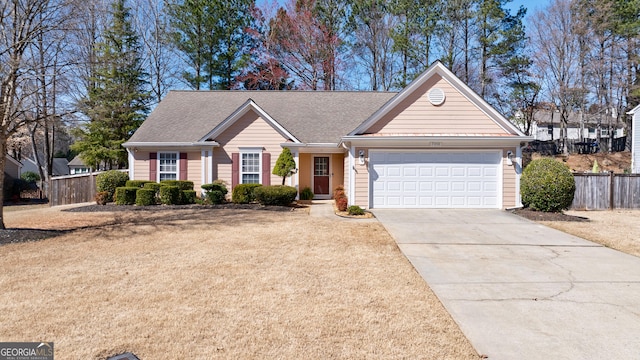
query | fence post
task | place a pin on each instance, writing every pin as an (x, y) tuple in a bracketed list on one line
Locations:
[(611, 187)]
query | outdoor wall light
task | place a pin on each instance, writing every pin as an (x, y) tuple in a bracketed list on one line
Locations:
[(509, 157), (361, 157)]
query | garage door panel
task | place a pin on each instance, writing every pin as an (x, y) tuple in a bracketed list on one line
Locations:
[(410, 171), (442, 171), (436, 179)]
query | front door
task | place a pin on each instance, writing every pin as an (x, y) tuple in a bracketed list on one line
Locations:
[(321, 176)]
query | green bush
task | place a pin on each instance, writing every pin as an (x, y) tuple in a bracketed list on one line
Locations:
[(547, 185), (153, 186), (125, 195), (215, 197), (188, 197), (30, 176), (275, 194), (355, 210), (145, 197), (110, 180), (215, 193), (181, 184), (244, 193), (169, 195), (137, 183), (306, 194)]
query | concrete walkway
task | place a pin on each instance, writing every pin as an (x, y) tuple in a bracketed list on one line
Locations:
[(520, 290)]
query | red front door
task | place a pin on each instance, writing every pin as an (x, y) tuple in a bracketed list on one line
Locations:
[(321, 175)]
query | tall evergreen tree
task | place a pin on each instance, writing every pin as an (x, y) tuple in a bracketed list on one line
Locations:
[(214, 38), (117, 104)]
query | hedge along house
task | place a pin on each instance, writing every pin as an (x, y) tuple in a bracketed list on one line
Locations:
[(434, 144)]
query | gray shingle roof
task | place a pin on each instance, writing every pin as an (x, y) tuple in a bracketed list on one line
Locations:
[(310, 116)]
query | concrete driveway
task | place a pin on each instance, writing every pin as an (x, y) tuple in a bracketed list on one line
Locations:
[(520, 290)]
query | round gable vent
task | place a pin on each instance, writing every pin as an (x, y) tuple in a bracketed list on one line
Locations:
[(436, 96)]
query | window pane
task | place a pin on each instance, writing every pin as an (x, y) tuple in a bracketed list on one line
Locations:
[(250, 178), (168, 166), (321, 166), (168, 176)]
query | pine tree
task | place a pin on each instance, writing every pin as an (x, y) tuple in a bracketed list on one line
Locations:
[(284, 165), (117, 104)]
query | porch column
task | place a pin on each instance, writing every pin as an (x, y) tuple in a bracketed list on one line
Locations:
[(352, 175), (132, 160), (295, 177)]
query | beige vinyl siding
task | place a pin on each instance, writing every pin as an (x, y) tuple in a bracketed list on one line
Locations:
[(141, 165), (194, 169), (305, 171), (361, 181), (248, 131), (337, 169), (416, 115)]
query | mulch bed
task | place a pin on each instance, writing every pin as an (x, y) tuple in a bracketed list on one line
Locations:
[(547, 216), (113, 207)]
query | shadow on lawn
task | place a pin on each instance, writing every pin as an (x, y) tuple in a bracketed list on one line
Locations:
[(133, 220)]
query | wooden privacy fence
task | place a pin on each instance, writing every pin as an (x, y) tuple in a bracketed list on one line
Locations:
[(606, 191), (72, 189)]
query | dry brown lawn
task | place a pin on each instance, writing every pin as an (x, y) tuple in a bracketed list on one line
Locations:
[(617, 229), (202, 284)]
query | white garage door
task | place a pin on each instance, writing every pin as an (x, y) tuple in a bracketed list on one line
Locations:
[(435, 179)]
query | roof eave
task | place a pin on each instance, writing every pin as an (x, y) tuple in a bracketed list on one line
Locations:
[(436, 141), (140, 144), (315, 147)]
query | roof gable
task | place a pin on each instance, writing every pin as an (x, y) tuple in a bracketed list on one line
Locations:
[(249, 105), (463, 111)]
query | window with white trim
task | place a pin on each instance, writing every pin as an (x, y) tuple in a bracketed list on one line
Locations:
[(167, 166), (250, 168)]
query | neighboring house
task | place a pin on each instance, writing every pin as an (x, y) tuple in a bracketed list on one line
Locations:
[(435, 144), (635, 139), (77, 166), (59, 166), (546, 126), (12, 167)]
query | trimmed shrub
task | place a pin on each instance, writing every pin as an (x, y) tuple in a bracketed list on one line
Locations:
[(355, 210), (137, 183), (215, 186), (275, 195), (153, 186), (181, 184), (215, 197), (338, 191), (215, 193), (169, 195), (342, 203), (30, 176), (188, 196), (244, 193), (547, 185), (110, 180), (125, 195), (306, 194), (102, 198), (145, 197)]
